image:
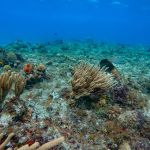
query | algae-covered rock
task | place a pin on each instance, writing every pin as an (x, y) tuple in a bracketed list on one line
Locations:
[(34, 74), (41, 68), (140, 144), (11, 57), (15, 109), (120, 94), (131, 119), (7, 68), (125, 146)]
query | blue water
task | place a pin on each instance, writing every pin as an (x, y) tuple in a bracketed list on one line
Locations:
[(119, 21)]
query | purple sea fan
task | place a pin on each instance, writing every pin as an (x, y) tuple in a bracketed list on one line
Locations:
[(120, 93)]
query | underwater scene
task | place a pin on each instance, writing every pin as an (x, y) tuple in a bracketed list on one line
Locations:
[(75, 75)]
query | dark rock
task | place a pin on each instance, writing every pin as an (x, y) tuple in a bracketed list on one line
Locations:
[(106, 63)]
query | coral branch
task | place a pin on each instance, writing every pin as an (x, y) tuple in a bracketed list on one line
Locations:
[(25, 147), (34, 146), (2, 146), (45, 146), (51, 144), (6, 80)]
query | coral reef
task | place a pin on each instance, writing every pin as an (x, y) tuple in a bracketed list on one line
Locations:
[(92, 107)]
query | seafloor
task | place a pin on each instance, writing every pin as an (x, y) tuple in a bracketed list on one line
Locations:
[(46, 108)]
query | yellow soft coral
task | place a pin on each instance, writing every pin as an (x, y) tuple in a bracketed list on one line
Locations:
[(88, 79), (35, 146), (2, 146), (6, 80)]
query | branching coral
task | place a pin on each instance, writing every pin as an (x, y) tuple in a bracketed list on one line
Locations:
[(51, 144), (2, 146), (35, 146), (6, 81), (19, 84), (46, 146), (89, 79)]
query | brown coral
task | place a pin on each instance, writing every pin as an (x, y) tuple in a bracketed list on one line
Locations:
[(35, 146), (19, 84), (89, 79), (6, 81), (2, 146), (46, 146)]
